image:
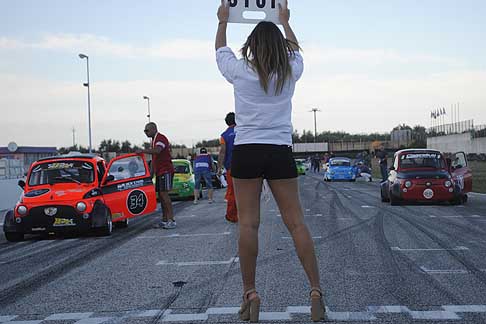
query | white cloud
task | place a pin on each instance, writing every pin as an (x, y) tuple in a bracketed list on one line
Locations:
[(192, 49)]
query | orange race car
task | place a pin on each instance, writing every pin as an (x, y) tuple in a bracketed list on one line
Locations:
[(80, 192)]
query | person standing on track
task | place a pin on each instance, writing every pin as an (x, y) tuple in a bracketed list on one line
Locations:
[(224, 159), (264, 83), (164, 171), (203, 164)]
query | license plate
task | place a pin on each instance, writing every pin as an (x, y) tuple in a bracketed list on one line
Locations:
[(63, 222)]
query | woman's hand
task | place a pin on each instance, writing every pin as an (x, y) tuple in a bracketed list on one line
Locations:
[(284, 13), (223, 11)]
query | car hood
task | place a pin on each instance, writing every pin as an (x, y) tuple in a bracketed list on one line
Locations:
[(182, 177), (52, 195), (423, 174)]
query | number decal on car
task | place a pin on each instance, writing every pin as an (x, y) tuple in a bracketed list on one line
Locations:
[(136, 202)]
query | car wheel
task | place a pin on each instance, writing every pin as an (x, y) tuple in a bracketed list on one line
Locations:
[(14, 237), (108, 228)]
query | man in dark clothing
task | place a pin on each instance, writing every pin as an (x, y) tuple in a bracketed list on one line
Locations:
[(382, 157)]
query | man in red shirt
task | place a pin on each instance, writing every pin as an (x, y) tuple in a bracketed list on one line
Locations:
[(164, 171)]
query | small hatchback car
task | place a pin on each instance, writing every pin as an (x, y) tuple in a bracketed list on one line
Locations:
[(340, 169), (81, 192), (423, 175)]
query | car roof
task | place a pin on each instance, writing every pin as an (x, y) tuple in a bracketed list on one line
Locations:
[(86, 156), (406, 151), (181, 161)]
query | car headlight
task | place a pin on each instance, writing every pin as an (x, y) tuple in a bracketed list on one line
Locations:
[(448, 183), (81, 206), (22, 210), (408, 184)]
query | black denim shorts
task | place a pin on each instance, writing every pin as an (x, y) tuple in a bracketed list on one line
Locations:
[(272, 162)]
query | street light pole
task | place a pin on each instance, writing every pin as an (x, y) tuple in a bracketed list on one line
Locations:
[(315, 110), (87, 84), (148, 103)]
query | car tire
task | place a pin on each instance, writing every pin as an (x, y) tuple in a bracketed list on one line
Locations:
[(14, 237), (107, 229)]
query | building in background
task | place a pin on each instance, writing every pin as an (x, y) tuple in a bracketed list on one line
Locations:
[(16, 160)]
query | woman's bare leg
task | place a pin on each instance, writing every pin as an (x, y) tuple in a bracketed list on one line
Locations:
[(247, 193), (286, 193)]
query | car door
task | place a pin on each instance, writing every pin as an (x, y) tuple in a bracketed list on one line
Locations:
[(461, 173), (127, 187)]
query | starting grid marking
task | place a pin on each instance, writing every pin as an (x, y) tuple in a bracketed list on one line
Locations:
[(198, 263), (447, 312)]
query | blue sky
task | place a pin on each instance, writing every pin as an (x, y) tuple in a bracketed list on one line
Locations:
[(369, 66)]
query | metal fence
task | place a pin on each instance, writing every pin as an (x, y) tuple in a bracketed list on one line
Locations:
[(453, 128), (11, 169)]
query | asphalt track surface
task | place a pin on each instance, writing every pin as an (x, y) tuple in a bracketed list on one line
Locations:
[(378, 263)]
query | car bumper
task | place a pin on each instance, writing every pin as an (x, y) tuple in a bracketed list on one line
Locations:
[(424, 194)]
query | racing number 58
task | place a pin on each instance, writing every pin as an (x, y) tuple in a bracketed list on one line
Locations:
[(260, 3)]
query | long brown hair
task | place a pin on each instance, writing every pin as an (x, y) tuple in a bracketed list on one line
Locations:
[(267, 51)]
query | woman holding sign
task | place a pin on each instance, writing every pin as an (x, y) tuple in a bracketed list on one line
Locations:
[(264, 83)]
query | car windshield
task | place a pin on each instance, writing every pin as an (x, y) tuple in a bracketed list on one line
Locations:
[(340, 163), (422, 160), (62, 171), (181, 168)]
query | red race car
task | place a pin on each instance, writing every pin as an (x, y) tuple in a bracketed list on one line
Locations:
[(424, 175), (80, 192)]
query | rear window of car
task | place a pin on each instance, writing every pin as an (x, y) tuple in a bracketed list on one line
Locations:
[(340, 163), (422, 160)]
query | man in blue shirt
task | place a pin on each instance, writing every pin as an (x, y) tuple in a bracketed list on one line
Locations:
[(203, 164), (224, 159)]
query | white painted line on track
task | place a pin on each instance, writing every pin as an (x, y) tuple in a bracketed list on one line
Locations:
[(183, 235), (390, 309), (313, 237), (68, 316), (23, 322), (455, 216), (350, 316), (7, 318), (184, 317), (94, 320), (457, 248), (366, 206), (274, 316), (152, 313), (434, 315), (465, 308), (222, 310), (198, 263), (447, 271)]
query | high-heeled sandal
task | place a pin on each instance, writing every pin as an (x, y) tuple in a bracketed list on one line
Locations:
[(318, 310), (250, 308)]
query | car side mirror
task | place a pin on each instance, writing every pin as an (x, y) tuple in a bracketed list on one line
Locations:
[(109, 178), (21, 184)]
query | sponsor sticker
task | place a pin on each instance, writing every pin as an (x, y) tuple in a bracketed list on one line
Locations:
[(60, 165), (63, 222), (130, 185)]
